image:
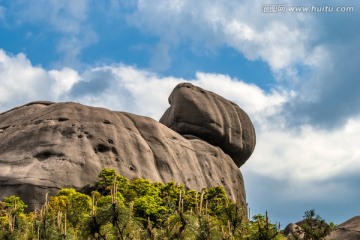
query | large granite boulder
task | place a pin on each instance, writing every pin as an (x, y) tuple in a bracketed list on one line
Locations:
[(195, 112), (348, 230), (46, 146)]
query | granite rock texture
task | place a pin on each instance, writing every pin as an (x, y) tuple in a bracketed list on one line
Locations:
[(348, 230), (196, 112), (46, 146)]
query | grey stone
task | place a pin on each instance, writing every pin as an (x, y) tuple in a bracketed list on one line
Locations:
[(48, 146), (208, 116), (348, 230), (293, 230)]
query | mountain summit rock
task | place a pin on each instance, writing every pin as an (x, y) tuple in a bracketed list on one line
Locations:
[(195, 112), (348, 230), (201, 141)]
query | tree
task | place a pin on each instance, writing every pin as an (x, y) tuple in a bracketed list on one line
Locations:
[(14, 222), (234, 218), (170, 193), (15, 204), (106, 182), (76, 205), (312, 227), (263, 229), (216, 199)]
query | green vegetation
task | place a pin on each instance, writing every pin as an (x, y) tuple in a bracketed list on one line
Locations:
[(312, 227), (122, 209)]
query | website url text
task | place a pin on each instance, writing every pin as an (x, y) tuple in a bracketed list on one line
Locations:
[(282, 8)]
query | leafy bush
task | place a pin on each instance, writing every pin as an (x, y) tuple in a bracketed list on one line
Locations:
[(312, 227)]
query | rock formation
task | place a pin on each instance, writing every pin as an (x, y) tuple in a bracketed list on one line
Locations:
[(46, 146), (293, 230), (203, 114), (348, 230)]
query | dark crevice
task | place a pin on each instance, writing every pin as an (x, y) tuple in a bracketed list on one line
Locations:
[(68, 132), (4, 128), (114, 151), (102, 148), (62, 119), (48, 154), (38, 122), (132, 168)]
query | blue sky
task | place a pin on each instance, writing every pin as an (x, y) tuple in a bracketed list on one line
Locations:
[(296, 74)]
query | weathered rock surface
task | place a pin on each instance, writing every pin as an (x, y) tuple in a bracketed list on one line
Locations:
[(47, 146), (348, 230), (208, 116)]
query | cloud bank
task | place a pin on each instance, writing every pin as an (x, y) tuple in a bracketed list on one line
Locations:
[(232, 24), (313, 54)]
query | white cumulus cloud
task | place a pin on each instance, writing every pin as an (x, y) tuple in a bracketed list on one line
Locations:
[(313, 54), (21, 82), (280, 40)]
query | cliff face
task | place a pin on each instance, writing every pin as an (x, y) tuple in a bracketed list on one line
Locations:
[(47, 146)]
